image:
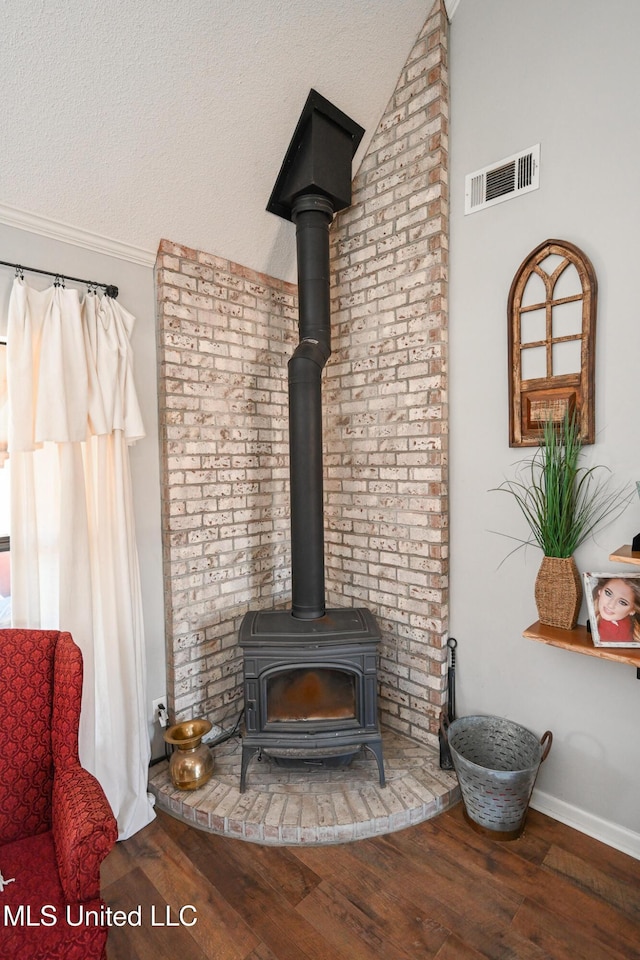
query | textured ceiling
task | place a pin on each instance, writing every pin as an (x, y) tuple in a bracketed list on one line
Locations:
[(142, 119)]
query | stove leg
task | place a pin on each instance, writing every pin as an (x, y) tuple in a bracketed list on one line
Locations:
[(247, 753), (376, 750)]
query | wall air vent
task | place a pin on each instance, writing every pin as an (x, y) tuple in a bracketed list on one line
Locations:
[(502, 180)]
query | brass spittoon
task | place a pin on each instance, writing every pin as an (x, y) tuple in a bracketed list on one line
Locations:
[(191, 763)]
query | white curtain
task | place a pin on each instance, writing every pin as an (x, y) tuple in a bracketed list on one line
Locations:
[(73, 411)]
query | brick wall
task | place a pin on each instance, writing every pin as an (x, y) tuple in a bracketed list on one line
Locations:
[(225, 335), (387, 389)]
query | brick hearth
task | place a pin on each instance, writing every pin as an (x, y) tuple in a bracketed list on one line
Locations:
[(283, 807)]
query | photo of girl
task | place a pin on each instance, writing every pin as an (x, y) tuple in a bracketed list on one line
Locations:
[(613, 603)]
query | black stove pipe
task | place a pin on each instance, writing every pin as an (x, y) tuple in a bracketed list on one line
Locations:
[(312, 215)]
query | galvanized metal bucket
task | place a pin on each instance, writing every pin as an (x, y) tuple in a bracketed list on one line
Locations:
[(497, 762)]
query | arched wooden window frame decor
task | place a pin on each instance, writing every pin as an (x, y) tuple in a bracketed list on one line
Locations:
[(532, 401)]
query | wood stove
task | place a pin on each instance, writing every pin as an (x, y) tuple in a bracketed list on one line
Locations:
[(310, 687), (310, 677)]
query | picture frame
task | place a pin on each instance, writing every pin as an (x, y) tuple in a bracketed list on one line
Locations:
[(609, 595)]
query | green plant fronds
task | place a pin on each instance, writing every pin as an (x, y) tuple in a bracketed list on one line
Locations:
[(563, 502)]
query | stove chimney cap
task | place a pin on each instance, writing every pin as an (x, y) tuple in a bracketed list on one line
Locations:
[(318, 159)]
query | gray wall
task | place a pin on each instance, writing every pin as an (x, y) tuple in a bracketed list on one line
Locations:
[(567, 76), (135, 283)]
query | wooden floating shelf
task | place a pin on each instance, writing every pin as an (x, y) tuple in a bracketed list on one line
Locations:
[(625, 555), (579, 640)]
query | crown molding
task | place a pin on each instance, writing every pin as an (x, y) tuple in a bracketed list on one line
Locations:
[(55, 230)]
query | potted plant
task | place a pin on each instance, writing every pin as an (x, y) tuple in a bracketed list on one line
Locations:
[(563, 503)]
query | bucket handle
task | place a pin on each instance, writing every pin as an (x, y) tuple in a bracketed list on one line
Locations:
[(545, 741)]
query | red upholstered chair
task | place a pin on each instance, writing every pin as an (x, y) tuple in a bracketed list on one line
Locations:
[(56, 825)]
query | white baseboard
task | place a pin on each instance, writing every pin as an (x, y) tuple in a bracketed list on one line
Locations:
[(55, 230), (610, 833)]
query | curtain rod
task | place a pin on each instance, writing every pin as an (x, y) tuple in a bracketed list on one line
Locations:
[(109, 290)]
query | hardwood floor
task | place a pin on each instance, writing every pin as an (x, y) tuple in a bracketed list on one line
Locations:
[(435, 890)]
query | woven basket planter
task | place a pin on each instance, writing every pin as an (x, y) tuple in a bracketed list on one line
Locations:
[(558, 592)]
